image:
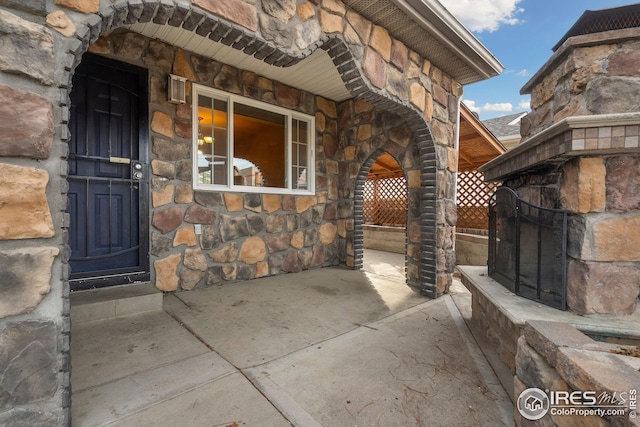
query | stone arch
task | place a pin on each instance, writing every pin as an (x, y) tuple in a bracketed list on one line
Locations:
[(244, 40)]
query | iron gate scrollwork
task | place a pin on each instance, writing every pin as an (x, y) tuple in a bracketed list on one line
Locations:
[(528, 248)]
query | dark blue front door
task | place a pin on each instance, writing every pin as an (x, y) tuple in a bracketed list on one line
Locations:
[(108, 174)]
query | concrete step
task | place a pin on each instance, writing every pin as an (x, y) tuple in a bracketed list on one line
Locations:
[(109, 303)]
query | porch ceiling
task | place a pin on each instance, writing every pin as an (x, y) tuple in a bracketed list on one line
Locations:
[(477, 145), (316, 74)]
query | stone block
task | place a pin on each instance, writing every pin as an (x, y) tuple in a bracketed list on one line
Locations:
[(27, 48), (532, 368), (252, 251), (547, 337), (83, 6), (330, 23), (595, 370), (623, 183), (170, 150), (162, 197), (160, 245), (163, 169), (270, 202), (277, 243), (59, 21), (262, 269), (208, 199), (200, 215), (305, 202), (374, 68), (185, 236), (602, 288), (195, 259), (232, 228), (417, 95), (210, 237), (613, 238), (189, 279), (582, 185), (297, 240), (26, 279), (233, 202), (612, 95), (28, 361), (253, 202), (229, 272), (237, 11), (228, 253), (327, 233), (305, 11), (24, 211), (167, 220), (181, 66), (161, 123), (291, 263), (26, 124), (166, 273), (184, 194)]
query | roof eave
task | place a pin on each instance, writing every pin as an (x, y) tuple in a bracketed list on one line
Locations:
[(441, 24)]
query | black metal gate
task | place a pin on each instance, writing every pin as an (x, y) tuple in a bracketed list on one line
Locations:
[(528, 248)]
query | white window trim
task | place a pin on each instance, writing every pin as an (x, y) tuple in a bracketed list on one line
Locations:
[(290, 116)]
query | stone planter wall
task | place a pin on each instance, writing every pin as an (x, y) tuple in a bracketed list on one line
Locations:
[(43, 41), (556, 357), (385, 238)]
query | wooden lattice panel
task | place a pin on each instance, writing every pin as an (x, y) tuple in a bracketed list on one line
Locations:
[(385, 201), (473, 199)]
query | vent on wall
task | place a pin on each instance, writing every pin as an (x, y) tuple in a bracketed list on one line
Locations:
[(177, 92)]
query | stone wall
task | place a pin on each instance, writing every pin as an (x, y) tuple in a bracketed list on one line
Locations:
[(44, 40), (556, 357), (588, 75)]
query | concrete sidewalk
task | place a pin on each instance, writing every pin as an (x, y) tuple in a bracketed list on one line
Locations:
[(330, 347)]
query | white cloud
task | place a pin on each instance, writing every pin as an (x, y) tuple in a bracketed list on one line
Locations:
[(500, 106), (523, 73), (525, 104), (484, 15)]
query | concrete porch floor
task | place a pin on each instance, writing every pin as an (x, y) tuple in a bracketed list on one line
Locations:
[(330, 347)]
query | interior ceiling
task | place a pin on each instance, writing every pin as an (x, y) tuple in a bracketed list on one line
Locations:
[(315, 74)]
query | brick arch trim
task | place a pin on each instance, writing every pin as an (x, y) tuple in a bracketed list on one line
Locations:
[(217, 29)]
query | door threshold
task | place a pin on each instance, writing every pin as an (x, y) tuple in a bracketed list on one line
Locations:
[(117, 301)]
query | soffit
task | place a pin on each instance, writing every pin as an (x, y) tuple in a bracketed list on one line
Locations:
[(316, 73), (429, 29)]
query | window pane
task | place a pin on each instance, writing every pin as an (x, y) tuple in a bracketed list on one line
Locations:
[(212, 140), (259, 147), (299, 154), (302, 133)]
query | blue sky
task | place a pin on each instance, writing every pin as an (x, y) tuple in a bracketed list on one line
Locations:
[(520, 33)]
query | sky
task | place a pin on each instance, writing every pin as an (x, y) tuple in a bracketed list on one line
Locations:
[(520, 34)]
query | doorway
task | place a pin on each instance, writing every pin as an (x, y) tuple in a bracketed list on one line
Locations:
[(108, 169)]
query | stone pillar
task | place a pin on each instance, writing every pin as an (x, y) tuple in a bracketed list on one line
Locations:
[(34, 300), (604, 263)]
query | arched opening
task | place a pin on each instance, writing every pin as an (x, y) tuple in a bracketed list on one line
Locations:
[(384, 221)]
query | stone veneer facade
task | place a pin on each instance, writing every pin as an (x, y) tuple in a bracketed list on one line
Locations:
[(581, 153), (401, 104)]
